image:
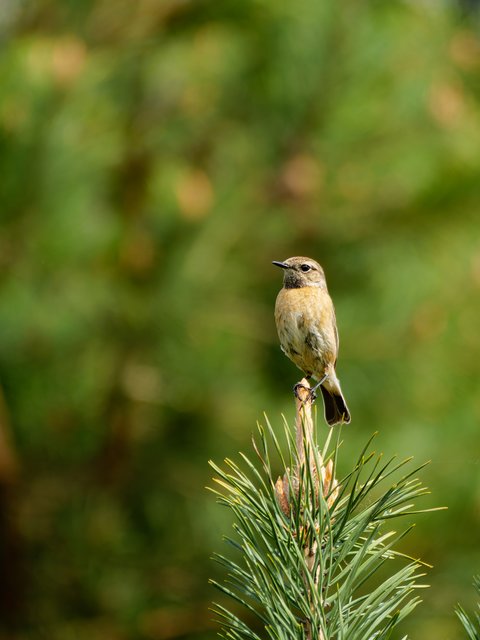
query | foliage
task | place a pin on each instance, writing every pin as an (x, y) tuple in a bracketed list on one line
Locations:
[(471, 624), (328, 590)]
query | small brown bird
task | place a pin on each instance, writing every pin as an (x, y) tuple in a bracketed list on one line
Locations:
[(307, 329)]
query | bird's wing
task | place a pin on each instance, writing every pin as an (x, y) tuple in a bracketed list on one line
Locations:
[(322, 335), (335, 330)]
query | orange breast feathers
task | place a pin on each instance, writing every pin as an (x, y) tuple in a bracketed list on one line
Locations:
[(306, 326)]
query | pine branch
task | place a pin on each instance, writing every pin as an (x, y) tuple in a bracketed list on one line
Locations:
[(308, 546)]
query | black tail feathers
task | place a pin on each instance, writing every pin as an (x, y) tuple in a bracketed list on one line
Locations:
[(336, 409)]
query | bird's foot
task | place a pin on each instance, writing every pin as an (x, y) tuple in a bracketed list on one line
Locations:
[(313, 390), (320, 382), (303, 393)]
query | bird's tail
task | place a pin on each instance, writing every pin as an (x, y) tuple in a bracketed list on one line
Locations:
[(336, 409)]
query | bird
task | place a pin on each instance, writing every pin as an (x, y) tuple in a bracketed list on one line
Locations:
[(307, 329)]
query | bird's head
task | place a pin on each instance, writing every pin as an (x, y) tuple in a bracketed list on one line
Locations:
[(301, 272)]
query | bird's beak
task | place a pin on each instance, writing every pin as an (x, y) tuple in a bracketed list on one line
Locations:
[(283, 265)]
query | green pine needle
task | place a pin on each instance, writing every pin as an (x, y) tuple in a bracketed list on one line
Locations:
[(471, 623)]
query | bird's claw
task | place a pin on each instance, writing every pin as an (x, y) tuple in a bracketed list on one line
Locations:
[(296, 389), (311, 394)]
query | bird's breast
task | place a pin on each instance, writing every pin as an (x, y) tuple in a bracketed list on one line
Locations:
[(305, 322), (303, 307)]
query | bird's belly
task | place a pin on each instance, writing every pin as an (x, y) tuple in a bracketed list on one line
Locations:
[(312, 352), (306, 337), (319, 352)]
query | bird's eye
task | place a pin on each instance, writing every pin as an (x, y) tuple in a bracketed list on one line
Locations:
[(305, 267)]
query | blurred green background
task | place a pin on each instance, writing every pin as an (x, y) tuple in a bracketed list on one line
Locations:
[(155, 157)]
